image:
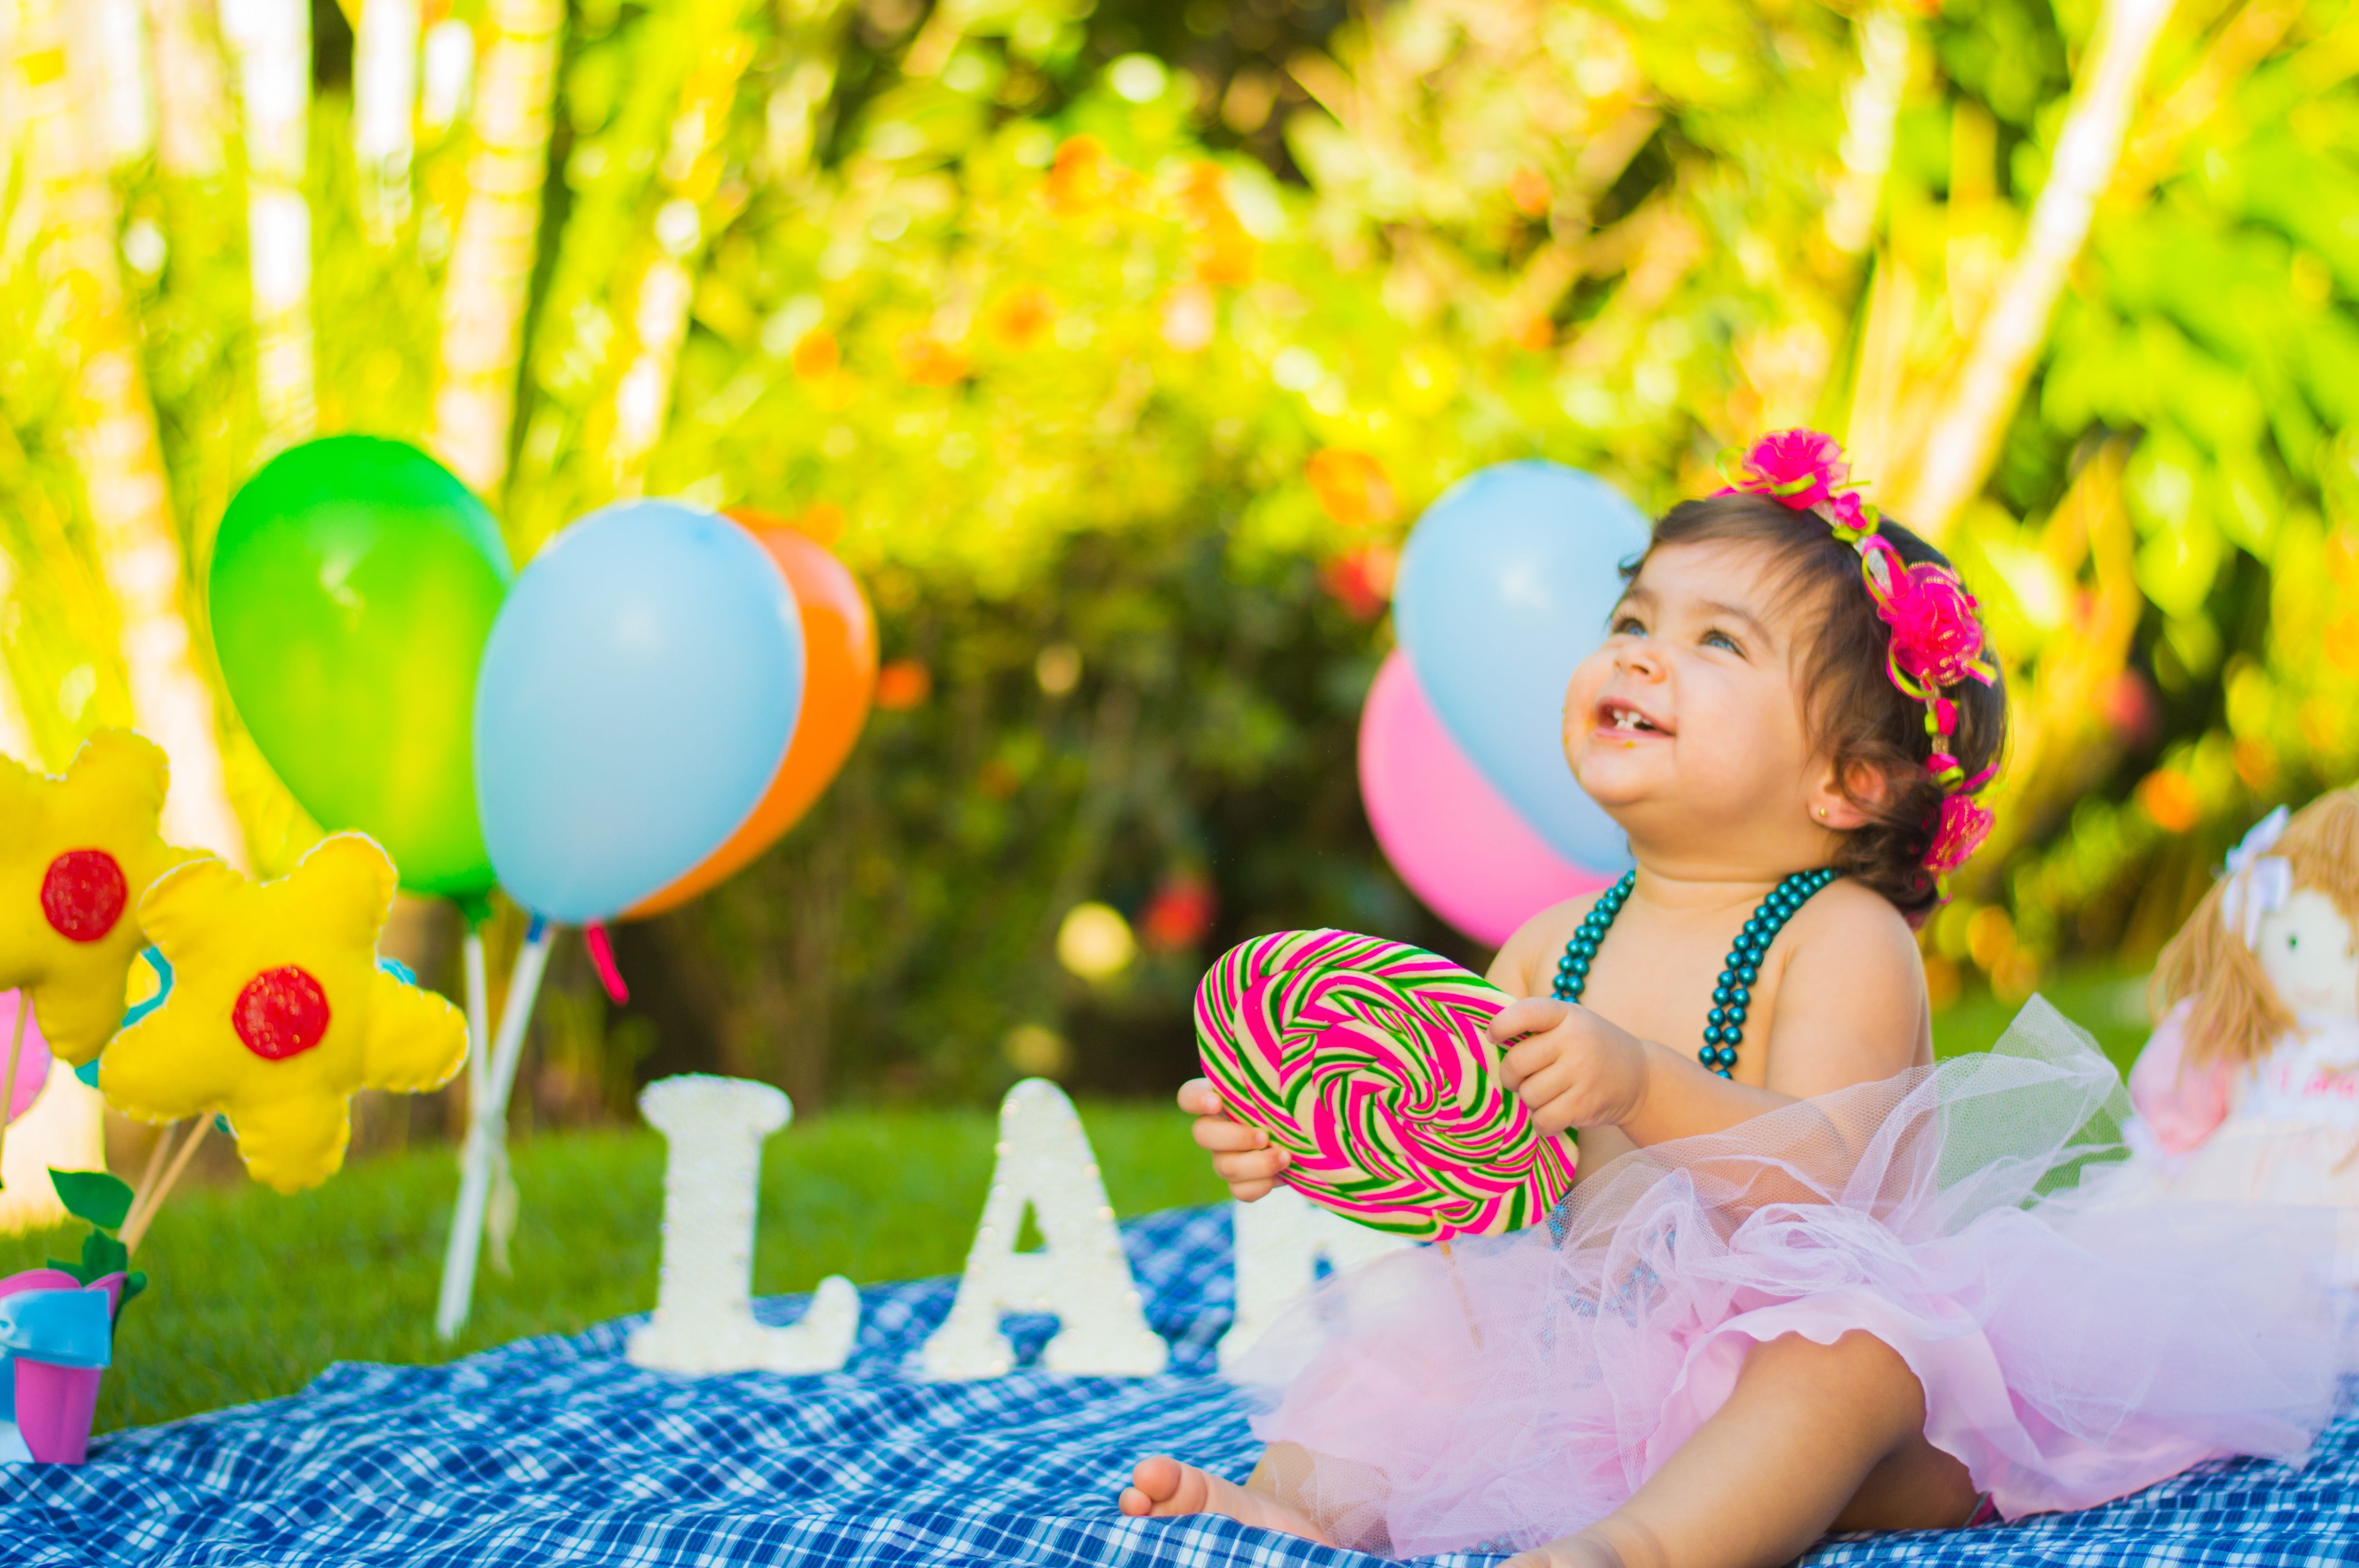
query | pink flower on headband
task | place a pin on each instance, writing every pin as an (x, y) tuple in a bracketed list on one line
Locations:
[(1800, 467), (1848, 513), (1964, 825), (1936, 637)]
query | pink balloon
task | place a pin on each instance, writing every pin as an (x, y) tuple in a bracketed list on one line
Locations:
[(1453, 839), (32, 1063)]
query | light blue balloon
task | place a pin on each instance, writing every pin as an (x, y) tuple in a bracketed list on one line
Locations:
[(637, 696), (1503, 588)]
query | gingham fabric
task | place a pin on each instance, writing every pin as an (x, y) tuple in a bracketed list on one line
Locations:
[(556, 1450)]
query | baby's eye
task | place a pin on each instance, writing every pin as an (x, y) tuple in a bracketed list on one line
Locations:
[(1628, 626), (1722, 639)]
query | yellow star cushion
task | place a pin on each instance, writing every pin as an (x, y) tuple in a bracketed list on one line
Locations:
[(279, 1011), (75, 854)]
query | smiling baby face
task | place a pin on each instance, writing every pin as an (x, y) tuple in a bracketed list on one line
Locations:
[(1690, 718)]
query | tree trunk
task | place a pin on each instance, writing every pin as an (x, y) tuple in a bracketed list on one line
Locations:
[(492, 257), (1973, 420), (272, 41), (114, 37), (113, 438), (689, 178), (191, 104), (384, 103), (1871, 111)]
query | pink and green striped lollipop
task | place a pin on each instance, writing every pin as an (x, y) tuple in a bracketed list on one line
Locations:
[(1365, 1060)]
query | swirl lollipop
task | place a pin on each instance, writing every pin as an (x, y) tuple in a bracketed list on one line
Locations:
[(1365, 1060)]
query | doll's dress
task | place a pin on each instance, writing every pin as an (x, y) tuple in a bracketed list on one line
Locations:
[(1510, 1389), (2283, 1130)]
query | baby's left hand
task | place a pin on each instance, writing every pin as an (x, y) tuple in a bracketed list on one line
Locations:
[(1570, 1067)]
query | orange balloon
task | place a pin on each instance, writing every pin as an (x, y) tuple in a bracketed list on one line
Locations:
[(839, 679)]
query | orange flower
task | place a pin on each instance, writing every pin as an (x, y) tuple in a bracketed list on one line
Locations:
[(816, 357), (1227, 256), (2256, 763), (1527, 187), (1352, 487), (1361, 579), (2171, 799), (903, 684), (2342, 642), (1201, 197), (1537, 335), (927, 360), (1190, 315), (1077, 180), (1025, 314)]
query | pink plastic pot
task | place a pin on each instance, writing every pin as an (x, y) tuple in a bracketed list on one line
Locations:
[(55, 1404)]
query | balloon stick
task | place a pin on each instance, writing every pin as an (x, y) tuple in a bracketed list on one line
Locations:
[(16, 1049), (486, 1129), (479, 1012), (136, 1226), (500, 1223)]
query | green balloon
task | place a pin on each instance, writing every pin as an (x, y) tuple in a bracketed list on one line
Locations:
[(354, 582)]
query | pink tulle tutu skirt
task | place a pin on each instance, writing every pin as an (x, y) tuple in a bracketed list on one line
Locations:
[(1510, 1389)]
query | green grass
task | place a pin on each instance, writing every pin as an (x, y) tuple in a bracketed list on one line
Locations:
[(2109, 1005), (255, 1295)]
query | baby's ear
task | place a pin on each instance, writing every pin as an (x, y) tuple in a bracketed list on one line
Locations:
[(1866, 783), (1848, 796)]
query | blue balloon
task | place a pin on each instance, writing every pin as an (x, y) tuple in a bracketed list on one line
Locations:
[(636, 696), (1503, 588)]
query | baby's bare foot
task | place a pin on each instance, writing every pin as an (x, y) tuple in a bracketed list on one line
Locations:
[(1162, 1488)]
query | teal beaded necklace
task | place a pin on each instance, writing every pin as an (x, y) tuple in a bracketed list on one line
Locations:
[(1724, 1024)]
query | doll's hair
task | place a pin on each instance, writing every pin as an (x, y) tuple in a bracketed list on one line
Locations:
[(2237, 1015), (1851, 713)]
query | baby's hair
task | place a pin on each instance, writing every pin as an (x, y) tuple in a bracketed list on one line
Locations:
[(1851, 710), (2237, 1015)]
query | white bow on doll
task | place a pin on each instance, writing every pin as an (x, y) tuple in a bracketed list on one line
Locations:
[(2258, 882)]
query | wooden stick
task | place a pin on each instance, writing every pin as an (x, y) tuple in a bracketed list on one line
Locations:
[(137, 1228), (156, 1158), (16, 1050)]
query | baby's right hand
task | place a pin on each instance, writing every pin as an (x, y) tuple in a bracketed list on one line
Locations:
[(1241, 1155)]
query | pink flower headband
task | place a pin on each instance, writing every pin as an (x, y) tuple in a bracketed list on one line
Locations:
[(1936, 639)]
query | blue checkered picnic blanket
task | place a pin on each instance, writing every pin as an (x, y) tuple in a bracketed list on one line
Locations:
[(555, 1450)]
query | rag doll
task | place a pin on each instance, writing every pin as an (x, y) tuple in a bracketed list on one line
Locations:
[(2248, 1091)]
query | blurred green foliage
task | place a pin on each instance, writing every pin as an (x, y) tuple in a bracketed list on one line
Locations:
[(1117, 348)]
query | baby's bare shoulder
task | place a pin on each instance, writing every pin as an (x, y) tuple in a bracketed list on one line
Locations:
[(1526, 965), (1851, 1004), (1855, 933)]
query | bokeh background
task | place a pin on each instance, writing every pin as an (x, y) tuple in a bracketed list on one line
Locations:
[(1117, 346)]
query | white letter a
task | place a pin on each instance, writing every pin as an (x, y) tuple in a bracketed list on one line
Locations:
[(1079, 1273)]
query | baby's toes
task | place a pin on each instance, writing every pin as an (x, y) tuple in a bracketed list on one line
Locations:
[(1162, 1485)]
